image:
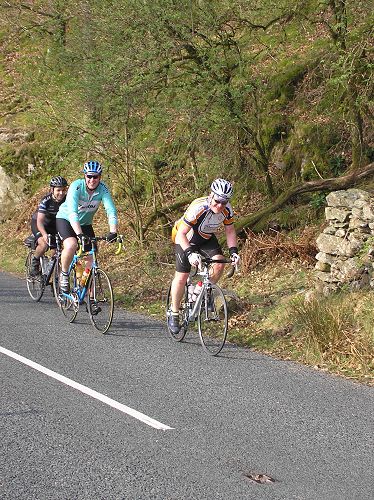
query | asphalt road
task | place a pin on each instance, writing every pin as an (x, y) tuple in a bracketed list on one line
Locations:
[(225, 418)]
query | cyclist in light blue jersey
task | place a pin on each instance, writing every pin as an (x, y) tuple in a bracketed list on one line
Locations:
[(75, 216)]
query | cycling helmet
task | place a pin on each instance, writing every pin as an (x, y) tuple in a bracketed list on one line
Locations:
[(58, 182), (222, 188), (92, 166)]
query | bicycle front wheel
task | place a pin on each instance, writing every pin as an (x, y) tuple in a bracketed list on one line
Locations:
[(68, 306), (100, 300), (213, 320), (183, 315), (35, 284)]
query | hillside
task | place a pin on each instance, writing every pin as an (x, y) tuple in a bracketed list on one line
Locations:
[(277, 98)]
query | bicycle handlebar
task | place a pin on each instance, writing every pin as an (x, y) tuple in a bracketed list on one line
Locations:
[(209, 261), (91, 239)]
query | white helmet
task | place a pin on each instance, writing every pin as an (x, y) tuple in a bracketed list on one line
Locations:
[(222, 188)]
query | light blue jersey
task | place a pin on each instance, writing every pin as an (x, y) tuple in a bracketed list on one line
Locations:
[(80, 206)]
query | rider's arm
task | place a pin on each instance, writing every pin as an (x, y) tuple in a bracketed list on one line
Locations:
[(40, 221), (231, 236), (77, 227), (110, 209), (181, 237)]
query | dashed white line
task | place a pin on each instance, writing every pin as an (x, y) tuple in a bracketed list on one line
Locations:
[(86, 390)]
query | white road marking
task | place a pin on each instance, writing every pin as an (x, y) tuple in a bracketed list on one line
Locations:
[(86, 390)]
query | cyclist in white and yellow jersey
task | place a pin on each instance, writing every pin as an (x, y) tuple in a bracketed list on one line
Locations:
[(195, 232)]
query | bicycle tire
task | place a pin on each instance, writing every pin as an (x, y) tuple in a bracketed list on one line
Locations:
[(183, 315), (100, 300), (35, 284), (68, 307), (213, 323), (56, 280)]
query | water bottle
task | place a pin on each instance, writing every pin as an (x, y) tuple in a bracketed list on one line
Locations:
[(197, 290), (84, 277), (78, 269), (190, 289)]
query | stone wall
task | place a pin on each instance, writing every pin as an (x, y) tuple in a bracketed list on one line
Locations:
[(344, 245)]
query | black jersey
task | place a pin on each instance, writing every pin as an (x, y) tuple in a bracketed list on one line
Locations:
[(49, 207)]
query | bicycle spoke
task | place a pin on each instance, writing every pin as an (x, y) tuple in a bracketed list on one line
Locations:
[(35, 284), (100, 300), (213, 320), (183, 316)]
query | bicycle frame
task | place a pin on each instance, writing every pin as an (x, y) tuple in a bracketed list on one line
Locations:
[(204, 273), (78, 290)]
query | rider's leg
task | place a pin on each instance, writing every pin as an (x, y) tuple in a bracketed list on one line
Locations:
[(70, 246), (213, 249), (177, 290), (41, 247), (217, 269)]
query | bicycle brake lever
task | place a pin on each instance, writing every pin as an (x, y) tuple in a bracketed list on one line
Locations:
[(80, 249), (120, 247)]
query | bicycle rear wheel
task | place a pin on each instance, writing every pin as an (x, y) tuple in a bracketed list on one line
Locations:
[(213, 320), (35, 284), (183, 315), (68, 306), (100, 300)]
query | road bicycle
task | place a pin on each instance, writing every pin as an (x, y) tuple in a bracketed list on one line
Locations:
[(95, 292), (209, 310), (37, 283)]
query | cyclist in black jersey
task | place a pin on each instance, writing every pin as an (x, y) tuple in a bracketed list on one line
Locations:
[(43, 220), (195, 233)]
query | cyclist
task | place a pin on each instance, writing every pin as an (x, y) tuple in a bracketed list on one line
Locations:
[(195, 233), (74, 219), (43, 220)]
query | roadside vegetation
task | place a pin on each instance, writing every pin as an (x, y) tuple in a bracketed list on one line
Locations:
[(275, 96)]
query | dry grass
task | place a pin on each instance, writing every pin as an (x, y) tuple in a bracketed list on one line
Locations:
[(261, 248), (332, 331)]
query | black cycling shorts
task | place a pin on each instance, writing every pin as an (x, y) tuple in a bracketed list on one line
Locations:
[(50, 229), (208, 248), (65, 230)]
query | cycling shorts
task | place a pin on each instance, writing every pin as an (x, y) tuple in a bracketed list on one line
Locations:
[(208, 248), (65, 230), (50, 229)]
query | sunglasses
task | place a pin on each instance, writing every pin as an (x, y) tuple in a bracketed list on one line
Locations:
[(89, 176), (220, 201)]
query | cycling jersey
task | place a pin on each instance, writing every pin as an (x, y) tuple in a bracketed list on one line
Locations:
[(203, 221), (80, 206), (49, 207)]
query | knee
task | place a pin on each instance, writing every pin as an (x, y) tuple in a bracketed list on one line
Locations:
[(218, 268), (180, 280), (70, 245)]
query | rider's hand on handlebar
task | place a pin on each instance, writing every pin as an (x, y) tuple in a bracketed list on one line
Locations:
[(194, 259), (111, 237), (81, 238)]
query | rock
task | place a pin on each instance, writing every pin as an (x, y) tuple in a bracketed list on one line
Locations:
[(340, 233), (325, 257), (346, 198), (339, 214), (322, 266), (350, 215)]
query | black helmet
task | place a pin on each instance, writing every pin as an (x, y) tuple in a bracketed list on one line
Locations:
[(58, 182)]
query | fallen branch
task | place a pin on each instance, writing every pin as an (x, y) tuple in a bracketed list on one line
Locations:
[(334, 184)]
